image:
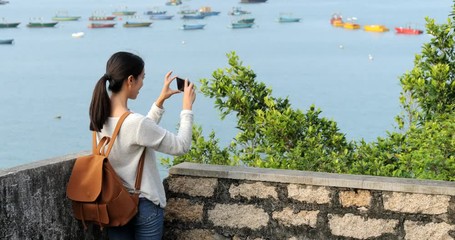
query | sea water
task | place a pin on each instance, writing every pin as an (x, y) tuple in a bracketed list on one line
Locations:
[(47, 76)]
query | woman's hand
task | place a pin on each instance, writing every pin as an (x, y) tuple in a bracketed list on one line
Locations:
[(166, 92), (189, 95)]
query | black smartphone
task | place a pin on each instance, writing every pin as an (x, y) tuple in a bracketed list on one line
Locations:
[(181, 83)]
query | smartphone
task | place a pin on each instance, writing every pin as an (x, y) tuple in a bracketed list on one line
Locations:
[(181, 83)]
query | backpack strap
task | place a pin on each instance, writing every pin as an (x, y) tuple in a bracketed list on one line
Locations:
[(116, 131), (140, 167)]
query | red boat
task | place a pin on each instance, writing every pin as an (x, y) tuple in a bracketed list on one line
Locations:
[(101, 25), (408, 30)]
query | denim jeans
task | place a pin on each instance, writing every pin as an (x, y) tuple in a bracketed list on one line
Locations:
[(147, 224)]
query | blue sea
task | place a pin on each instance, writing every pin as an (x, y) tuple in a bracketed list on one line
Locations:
[(47, 76)]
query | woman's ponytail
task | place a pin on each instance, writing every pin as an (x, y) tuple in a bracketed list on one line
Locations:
[(100, 107)]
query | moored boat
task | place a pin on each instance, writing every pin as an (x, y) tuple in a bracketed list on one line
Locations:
[(41, 24), (237, 11), (101, 25), (65, 18), (408, 30), (9, 24), (137, 24), (375, 28), (6, 41), (336, 20), (207, 11), (236, 25), (192, 26), (161, 17), (2, 2), (246, 20), (123, 13), (101, 18), (193, 16), (351, 25), (173, 2), (287, 19), (252, 1), (156, 12)]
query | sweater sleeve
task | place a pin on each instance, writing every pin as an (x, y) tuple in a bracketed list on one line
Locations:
[(151, 135), (155, 113)]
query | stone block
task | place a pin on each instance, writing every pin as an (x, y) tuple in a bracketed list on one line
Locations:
[(288, 218), (204, 187), (309, 194), (416, 203), (183, 210), (359, 227), (430, 231), (199, 234), (359, 198), (250, 190), (238, 216)]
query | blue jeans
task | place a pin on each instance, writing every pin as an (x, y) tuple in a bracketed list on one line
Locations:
[(147, 224)]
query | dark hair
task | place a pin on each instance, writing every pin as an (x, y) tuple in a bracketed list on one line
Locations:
[(119, 67)]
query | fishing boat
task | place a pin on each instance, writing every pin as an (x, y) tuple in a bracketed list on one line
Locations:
[(124, 13), (207, 11), (375, 28), (193, 16), (161, 17), (41, 24), (408, 30), (101, 18), (6, 41), (173, 2), (252, 1), (287, 18), (77, 34), (351, 25), (9, 24), (236, 25), (101, 25), (185, 10), (156, 12), (237, 11), (136, 24), (336, 20), (192, 26), (246, 20), (63, 16)]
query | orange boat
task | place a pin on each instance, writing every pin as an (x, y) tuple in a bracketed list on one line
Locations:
[(336, 20), (351, 25), (408, 30)]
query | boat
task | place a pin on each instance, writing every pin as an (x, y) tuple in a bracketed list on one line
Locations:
[(6, 41), (192, 26), (236, 25), (237, 11), (288, 19), (2, 2), (188, 11), (41, 24), (156, 12), (137, 24), (161, 17), (351, 25), (336, 20), (375, 28), (77, 34), (252, 1), (124, 13), (9, 24), (408, 30), (246, 20), (101, 25), (207, 11), (173, 2), (193, 16), (65, 18), (101, 18)]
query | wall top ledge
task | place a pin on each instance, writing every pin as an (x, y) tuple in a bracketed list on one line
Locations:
[(315, 178)]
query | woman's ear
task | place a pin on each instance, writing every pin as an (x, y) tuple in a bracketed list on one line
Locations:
[(130, 80)]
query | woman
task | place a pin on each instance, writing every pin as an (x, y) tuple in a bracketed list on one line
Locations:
[(124, 78)]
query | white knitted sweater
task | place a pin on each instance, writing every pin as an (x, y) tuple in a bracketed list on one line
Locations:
[(138, 132)]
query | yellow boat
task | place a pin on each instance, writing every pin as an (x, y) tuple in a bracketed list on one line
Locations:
[(351, 25), (375, 28)]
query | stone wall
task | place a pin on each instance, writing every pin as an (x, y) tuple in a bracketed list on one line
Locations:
[(219, 202)]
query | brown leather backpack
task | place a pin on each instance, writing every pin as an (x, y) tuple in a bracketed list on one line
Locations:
[(97, 193)]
